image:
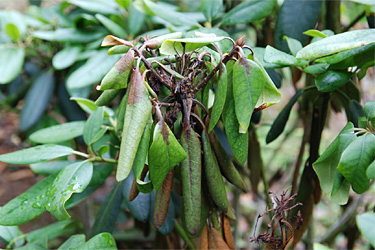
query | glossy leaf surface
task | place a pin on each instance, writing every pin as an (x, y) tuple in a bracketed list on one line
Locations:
[(58, 133)]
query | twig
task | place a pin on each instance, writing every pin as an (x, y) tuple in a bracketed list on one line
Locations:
[(183, 235)]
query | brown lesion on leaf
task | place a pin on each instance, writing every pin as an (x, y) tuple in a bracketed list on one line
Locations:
[(125, 63)]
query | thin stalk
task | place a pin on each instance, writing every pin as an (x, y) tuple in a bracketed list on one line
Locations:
[(351, 24), (80, 154), (101, 159), (183, 235)]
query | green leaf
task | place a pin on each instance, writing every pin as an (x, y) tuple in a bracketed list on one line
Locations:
[(165, 153), (220, 96), (369, 109), (113, 27), (248, 84), (365, 223), (259, 54), (275, 56), (279, 124), (107, 96), (27, 205), (337, 43), (87, 105), (318, 68), (97, 6), (36, 154), (8, 233), (340, 190), (332, 80), (370, 172), (170, 46), (11, 62), (40, 244), (315, 33), (135, 21), (123, 3), (70, 35), (92, 71), (12, 31), (293, 18), (355, 111), (52, 231), (293, 44), (50, 167), (93, 126), (66, 57), (37, 99), (211, 8), (355, 160), (73, 242), (137, 114), (58, 133), (318, 246), (107, 216), (237, 141), (169, 222), (72, 179), (248, 11), (118, 75), (140, 207), (326, 165), (100, 242)]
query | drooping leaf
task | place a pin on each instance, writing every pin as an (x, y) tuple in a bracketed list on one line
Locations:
[(37, 99), (11, 62), (237, 141), (66, 57), (169, 222), (365, 223), (72, 179), (52, 231), (36, 154), (73, 242), (70, 35), (170, 46), (331, 80), (27, 205), (50, 167), (107, 216), (248, 84), (279, 124), (355, 160), (107, 96), (97, 6), (110, 25), (248, 11), (275, 56), (293, 19), (337, 43), (137, 113), (99, 242), (93, 126), (58, 133), (165, 153), (211, 8), (220, 96)]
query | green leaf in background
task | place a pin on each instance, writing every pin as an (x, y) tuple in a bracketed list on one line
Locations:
[(50, 167), (332, 80), (279, 124), (100, 242), (365, 223), (248, 84), (73, 242), (337, 43), (137, 114), (36, 154), (92, 71), (107, 216), (369, 110), (54, 230), (293, 44), (165, 153), (58, 133), (170, 46), (72, 179), (275, 56), (123, 3), (293, 19), (27, 205), (248, 11), (65, 57), (113, 27), (8, 233), (135, 21), (68, 35), (93, 126), (370, 172), (220, 96), (12, 31), (211, 8), (97, 6), (315, 33), (355, 111), (355, 160), (237, 141), (118, 75), (11, 62), (37, 99), (318, 246)]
